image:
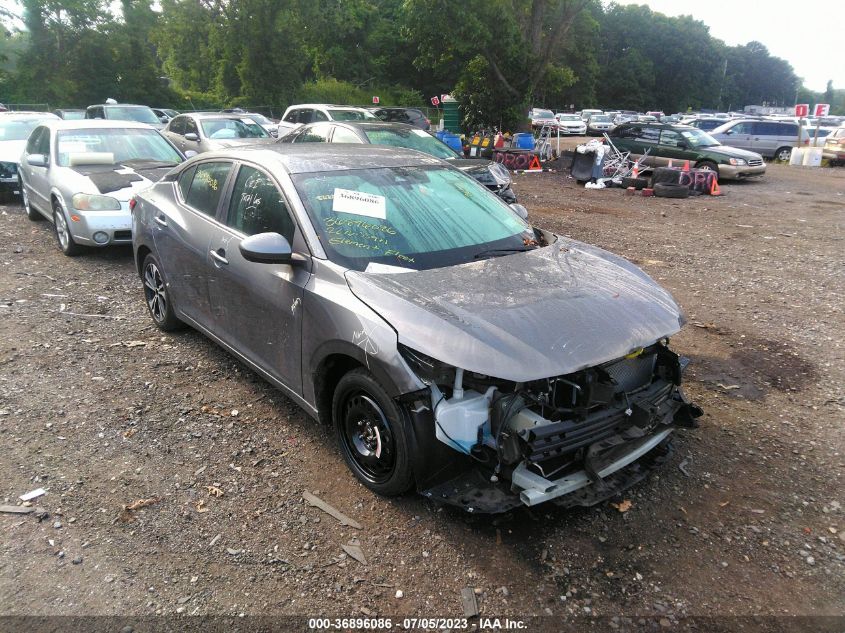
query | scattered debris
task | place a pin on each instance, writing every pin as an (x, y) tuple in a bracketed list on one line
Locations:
[(355, 552), (214, 540), (129, 433), (469, 602), (32, 494), (200, 506), (214, 491), (233, 552), (727, 387), (400, 593), (623, 506), (17, 509), (328, 509), (683, 467), (126, 512)]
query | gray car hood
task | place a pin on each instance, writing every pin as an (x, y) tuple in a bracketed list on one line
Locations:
[(526, 316)]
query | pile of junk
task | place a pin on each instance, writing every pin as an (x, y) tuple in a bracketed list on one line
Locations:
[(600, 165)]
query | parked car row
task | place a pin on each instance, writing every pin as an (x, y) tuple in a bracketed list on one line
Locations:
[(454, 348)]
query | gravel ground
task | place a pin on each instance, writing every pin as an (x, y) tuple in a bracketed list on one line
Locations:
[(103, 411)]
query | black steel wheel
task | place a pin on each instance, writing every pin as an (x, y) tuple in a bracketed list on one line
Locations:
[(371, 435), (157, 296)]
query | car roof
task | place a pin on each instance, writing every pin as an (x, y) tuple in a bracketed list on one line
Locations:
[(316, 157), (96, 124), (118, 105), (217, 115), (28, 115), (325, 105), (371, 125)]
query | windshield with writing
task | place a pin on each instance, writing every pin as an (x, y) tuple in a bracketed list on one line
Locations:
[(413, 217), (123, 144)]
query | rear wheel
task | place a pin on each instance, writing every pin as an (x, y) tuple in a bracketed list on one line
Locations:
[(371, 434), (783, 154), (65, 240), (157, 296)]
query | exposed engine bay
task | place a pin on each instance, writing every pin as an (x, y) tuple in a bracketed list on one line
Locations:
[(546, 439)]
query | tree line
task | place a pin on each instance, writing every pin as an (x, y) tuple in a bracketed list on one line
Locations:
[(497, 57)]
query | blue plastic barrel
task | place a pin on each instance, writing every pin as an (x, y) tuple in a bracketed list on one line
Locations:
[(523, 140), (439, 134), (453, 141)]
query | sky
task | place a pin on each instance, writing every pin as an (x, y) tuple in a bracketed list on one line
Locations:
[(809, 36)]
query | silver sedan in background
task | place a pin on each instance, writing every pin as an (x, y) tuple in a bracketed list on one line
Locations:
[(200, 132), (80, 175)]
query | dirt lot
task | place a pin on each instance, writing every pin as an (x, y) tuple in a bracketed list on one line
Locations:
[(102, 410)]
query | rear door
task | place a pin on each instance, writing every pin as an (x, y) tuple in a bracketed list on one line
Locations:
[(258, 306), (741, 136), (175, 132), (183, 232), (38, 183)]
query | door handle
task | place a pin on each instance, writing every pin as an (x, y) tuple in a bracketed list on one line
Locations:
[(219, 256), (160, 220)]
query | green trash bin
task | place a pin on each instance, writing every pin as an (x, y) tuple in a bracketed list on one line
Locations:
[(451, 115)]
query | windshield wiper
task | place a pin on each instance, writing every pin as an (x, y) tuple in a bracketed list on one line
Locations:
[(497, 252), (148, 163)]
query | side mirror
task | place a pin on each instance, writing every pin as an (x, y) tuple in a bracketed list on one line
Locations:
[(163, 119), (190, 153), (520, 210), (266, 248), (37, 160), (728, 131), (190, 136)]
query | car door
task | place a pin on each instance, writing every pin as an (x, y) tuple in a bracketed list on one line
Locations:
[(175, 132), (740, 136), (183, 232), (648, 140), (191, 127), (674, 147), (258, 306), (36, 179)]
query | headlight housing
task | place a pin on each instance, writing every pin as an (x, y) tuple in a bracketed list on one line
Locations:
[(93, 202), (8, 170), (738, 162)]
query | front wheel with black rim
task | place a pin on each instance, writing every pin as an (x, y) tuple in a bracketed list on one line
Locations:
[(63, 237), (371, 434), (157, 296)]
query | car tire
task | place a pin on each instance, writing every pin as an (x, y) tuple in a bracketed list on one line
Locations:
[(31, 213), (157, 296), (370, 428), (636, 183), (783, 154), (63, 237), (707, 165), (668, 190)]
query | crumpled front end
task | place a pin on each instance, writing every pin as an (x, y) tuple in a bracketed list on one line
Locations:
[(575, 439)]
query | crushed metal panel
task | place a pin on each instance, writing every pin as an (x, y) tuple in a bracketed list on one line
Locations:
[(527, 316)]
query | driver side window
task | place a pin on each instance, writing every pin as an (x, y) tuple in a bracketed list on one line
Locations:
[(257, 205)]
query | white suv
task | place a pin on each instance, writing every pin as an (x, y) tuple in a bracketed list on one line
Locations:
[(304, 113)]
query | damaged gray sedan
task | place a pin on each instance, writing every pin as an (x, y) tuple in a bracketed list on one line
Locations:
[(453, 347)]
